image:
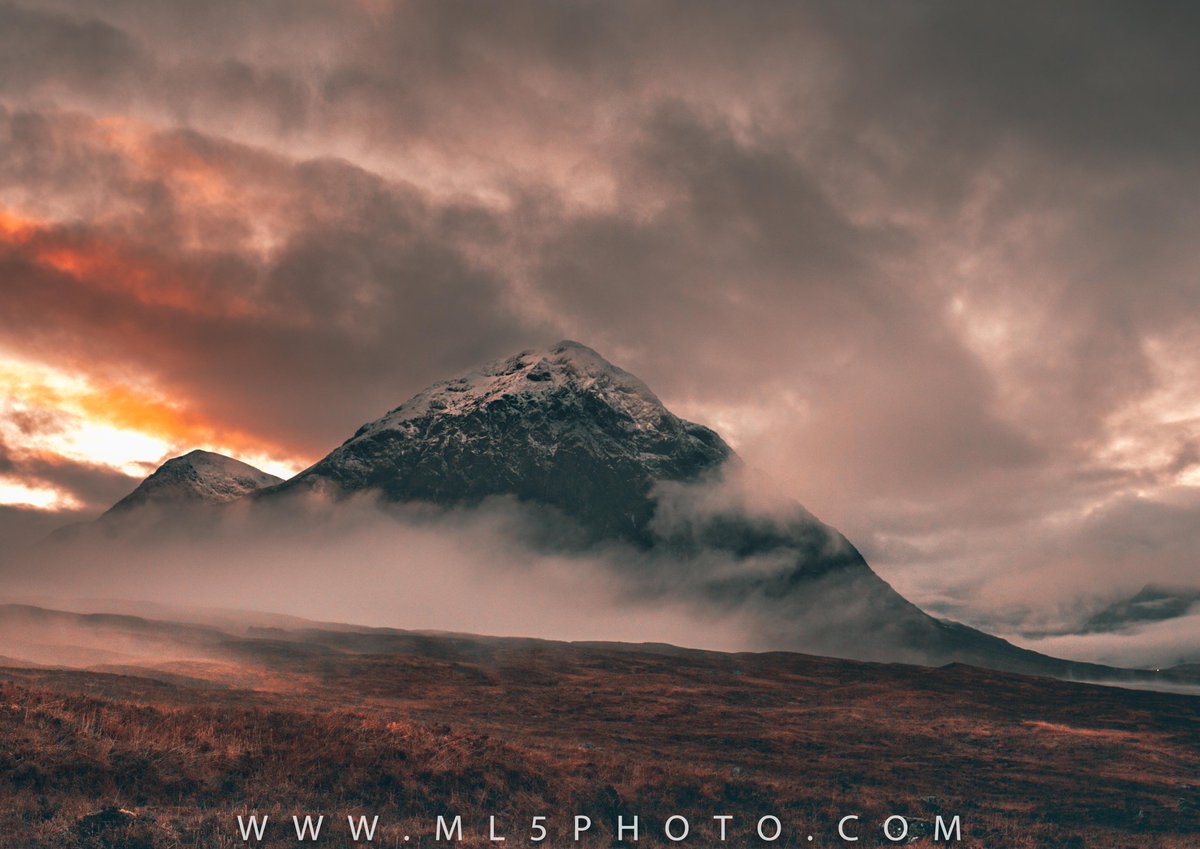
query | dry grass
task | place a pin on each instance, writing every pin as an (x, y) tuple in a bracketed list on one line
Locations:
[(519, 729)]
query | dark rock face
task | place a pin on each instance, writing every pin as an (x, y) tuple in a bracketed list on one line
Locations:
[(560, 427)]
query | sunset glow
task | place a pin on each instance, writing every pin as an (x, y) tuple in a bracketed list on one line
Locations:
[(55, 415), (19, 494)]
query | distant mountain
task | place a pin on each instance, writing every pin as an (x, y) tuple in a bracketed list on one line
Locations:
[(198, 477), (1152, 603), (194, 482)]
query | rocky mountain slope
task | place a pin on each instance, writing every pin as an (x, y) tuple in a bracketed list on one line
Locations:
[(560, 427)]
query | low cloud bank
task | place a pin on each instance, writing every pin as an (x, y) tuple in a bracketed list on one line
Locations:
[(723, 578), (1159, 644), (367, 564), (724, 575)]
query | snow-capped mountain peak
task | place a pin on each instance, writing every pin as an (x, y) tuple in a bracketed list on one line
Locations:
[(199, 476), (533, 374), (559, 426)]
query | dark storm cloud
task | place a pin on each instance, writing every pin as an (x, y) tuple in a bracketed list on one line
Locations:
[(368, 281), (932, 262), (749, 255), (39, 47), (1112, 80)]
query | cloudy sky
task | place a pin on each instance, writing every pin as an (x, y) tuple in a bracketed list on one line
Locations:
[(933, 265)]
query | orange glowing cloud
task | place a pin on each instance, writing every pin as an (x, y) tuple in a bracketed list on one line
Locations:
[(127, 424), (52, 415), (110, 263), (14, 227), (156, 156), (114, 253), (201, 183)]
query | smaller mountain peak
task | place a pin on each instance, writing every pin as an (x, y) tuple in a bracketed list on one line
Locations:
[(199, 455), (198, 475)]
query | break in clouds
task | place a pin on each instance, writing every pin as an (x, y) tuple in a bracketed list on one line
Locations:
[(933, 265)]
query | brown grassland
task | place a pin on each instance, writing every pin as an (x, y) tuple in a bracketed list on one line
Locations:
[(412, 726)]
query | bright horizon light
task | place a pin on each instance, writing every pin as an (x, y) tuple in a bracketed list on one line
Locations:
[(49, 414)]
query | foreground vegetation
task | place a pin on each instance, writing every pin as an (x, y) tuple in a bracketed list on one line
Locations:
[(412, 727)]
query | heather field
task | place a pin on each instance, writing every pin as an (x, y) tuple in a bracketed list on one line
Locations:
[(168, 752)]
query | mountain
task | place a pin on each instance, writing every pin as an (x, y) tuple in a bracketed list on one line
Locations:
[(198, 477), (1152, 603), (589, 445), (192, 482), (599, 467), (560, 427)]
